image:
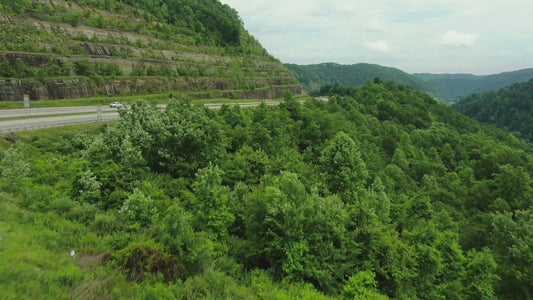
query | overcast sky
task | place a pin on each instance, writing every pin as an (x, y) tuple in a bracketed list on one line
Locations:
[(437, 36)]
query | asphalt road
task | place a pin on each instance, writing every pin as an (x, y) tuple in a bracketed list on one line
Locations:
[(22, 122), (13, 113), (47, 122)]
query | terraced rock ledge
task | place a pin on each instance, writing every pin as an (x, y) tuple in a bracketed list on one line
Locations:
[(74, 49)]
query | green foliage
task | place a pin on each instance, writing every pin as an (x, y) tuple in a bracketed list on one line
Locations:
[(86, 187), (313, 77), (179, 141), (139, 210), (219, 23), (285, 224), (13, 169), (212, 201), (138, 260), (362, 286), (480, 276), (343, 168), (508, 108), (84, 67), (453, 87), (6, 70), (380, 193)]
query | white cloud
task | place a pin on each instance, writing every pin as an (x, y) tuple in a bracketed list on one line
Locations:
[(351, 31), (458, 39), (380, 45)]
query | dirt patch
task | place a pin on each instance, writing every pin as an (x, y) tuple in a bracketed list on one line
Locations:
[(90, 261)]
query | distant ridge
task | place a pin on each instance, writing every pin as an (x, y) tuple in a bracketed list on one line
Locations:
[(453, 87), (313, 76), (509, 108)]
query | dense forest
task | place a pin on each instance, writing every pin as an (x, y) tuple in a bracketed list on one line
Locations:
[(312, 77), (378, 193), (453, 87), (509, 108)]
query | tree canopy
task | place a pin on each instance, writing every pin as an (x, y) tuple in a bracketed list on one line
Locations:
[(383, 193), (509, 108)]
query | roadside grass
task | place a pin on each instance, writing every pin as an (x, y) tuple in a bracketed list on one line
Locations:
[(56, 133), (34, 261)]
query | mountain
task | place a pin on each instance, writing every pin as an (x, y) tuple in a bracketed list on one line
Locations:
[(453, 87), (510, 108), (313, 77), (74, 49)]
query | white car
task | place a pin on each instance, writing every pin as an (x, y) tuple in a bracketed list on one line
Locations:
[(116, 105)]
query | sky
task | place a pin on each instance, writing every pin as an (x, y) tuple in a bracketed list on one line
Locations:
[(418, 36)]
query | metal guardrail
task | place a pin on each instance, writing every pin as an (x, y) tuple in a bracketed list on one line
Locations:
[(6, 131)]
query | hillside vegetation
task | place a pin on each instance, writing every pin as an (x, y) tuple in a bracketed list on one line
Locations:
[(312, 77), (72, 49), (453, 87), (381, 193), (510, 108)]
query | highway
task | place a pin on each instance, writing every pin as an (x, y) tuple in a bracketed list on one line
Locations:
[(47, 122), (35, 118), (14, 113)]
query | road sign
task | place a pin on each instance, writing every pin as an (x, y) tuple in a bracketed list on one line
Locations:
[(26, 101), (99, 115)]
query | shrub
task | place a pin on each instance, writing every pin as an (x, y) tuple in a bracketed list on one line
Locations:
[(139, 209), (84, 67), (86, 187), (139, 259), (106, 224)]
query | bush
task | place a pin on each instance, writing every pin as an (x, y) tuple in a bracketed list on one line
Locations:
[(108, 69), (86, 187), (139, 209), (84, 67), (83, 213), (13, 169), (139, 259), (105, 224)]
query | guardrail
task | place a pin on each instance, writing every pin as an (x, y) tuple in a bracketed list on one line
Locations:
[(6, 131)]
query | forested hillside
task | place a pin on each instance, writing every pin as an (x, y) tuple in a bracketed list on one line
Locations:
[(312, 77), (453, 87), (510, 108), (56, 49), (381, 193)]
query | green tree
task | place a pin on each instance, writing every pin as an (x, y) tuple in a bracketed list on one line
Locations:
[(480, 277), (362, 286), (341, 163), (298, 235), (212, 201)]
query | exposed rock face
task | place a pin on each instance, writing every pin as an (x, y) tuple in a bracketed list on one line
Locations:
[(57, 60), (13, 90)]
